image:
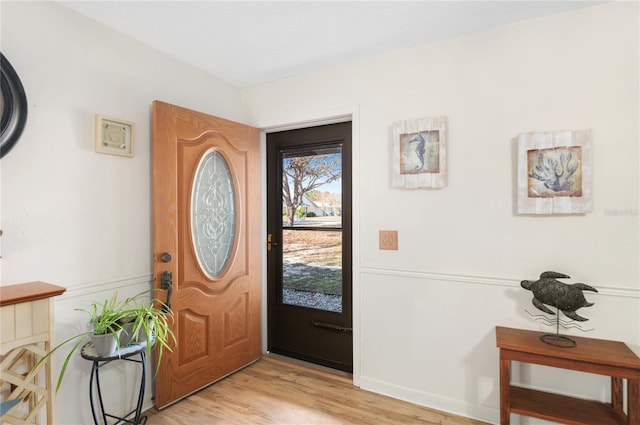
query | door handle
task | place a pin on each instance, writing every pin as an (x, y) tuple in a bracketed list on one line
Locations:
[(166, 282), (331, 326), (270, 242)]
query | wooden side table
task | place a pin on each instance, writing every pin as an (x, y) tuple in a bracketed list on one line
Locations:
[(610, 358), (26, 320)]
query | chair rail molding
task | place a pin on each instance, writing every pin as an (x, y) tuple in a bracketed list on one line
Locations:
[(107, 286), (612, 291)]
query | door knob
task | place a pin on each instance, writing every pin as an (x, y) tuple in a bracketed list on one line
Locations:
[(166, 257)]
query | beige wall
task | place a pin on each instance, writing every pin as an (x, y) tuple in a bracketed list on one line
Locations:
[(425, 314), (71, 216), (60, 200)]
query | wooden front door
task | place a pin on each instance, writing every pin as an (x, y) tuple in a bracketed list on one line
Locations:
[(206, 195)]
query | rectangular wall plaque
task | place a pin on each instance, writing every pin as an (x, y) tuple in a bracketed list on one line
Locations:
[(114, 136)]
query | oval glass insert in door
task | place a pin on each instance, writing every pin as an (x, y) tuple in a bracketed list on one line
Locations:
[(213, 213)]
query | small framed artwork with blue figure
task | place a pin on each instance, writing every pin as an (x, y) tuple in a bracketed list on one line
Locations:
[(419, 153)]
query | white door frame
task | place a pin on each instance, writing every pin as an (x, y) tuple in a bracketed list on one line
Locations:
[(351, 113)]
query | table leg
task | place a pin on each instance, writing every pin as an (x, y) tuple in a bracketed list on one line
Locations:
[(633, 401), (505, 398), (616, 394), (104, 415), (141, 393), (94, 371)]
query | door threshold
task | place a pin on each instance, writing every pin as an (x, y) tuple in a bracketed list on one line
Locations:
[(332, 373)]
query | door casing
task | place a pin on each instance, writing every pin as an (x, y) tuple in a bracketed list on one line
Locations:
[(294, 121), (308, 333)]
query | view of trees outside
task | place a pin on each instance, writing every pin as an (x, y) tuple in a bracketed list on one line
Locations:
[(329, 202), (312, 259), (302, 176)]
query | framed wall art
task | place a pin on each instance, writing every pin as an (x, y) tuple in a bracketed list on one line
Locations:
[(419, 153), (114, 136), (554, 172)]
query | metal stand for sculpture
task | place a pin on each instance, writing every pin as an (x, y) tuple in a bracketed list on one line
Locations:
[(564, 297), (557, 339)]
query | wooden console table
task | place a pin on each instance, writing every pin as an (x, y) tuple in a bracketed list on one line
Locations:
[(26, 326), (610, 358)]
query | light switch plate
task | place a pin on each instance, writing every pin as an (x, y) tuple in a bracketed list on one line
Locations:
[(389, 240)]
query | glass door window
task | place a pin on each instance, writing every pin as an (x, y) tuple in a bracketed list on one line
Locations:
[(312, 228)]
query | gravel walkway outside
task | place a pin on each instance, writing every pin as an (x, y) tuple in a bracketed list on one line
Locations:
[(312, 300)]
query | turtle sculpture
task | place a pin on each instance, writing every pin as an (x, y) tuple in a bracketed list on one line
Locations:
[(566, 298)]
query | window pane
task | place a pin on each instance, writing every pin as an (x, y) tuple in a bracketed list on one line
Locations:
[(312, 187), (312, 269)]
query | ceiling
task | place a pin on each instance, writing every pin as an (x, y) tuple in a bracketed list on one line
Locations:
[(251, 42)]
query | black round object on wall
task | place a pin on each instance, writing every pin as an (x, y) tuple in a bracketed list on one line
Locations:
[(13, 105)]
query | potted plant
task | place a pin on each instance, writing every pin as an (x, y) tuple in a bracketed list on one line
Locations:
[(107, 320), (150, 324), (105, 324)]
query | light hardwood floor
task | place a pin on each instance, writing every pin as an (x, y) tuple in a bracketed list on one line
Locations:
[(276, 391)]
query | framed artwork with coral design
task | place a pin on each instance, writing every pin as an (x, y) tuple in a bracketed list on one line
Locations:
[(554, 172)]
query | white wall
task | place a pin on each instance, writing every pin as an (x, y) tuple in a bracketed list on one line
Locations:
[(70, 216), (425, 315)]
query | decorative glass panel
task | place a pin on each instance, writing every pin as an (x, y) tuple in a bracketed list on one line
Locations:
[(213, 213)]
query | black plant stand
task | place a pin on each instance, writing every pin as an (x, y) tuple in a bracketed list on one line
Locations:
[(126, 352)]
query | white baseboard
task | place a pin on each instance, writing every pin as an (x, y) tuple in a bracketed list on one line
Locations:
[(431, 401)]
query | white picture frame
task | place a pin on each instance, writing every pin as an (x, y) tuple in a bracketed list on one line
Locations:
[(114, 136), (554, 172), (420, 153)]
